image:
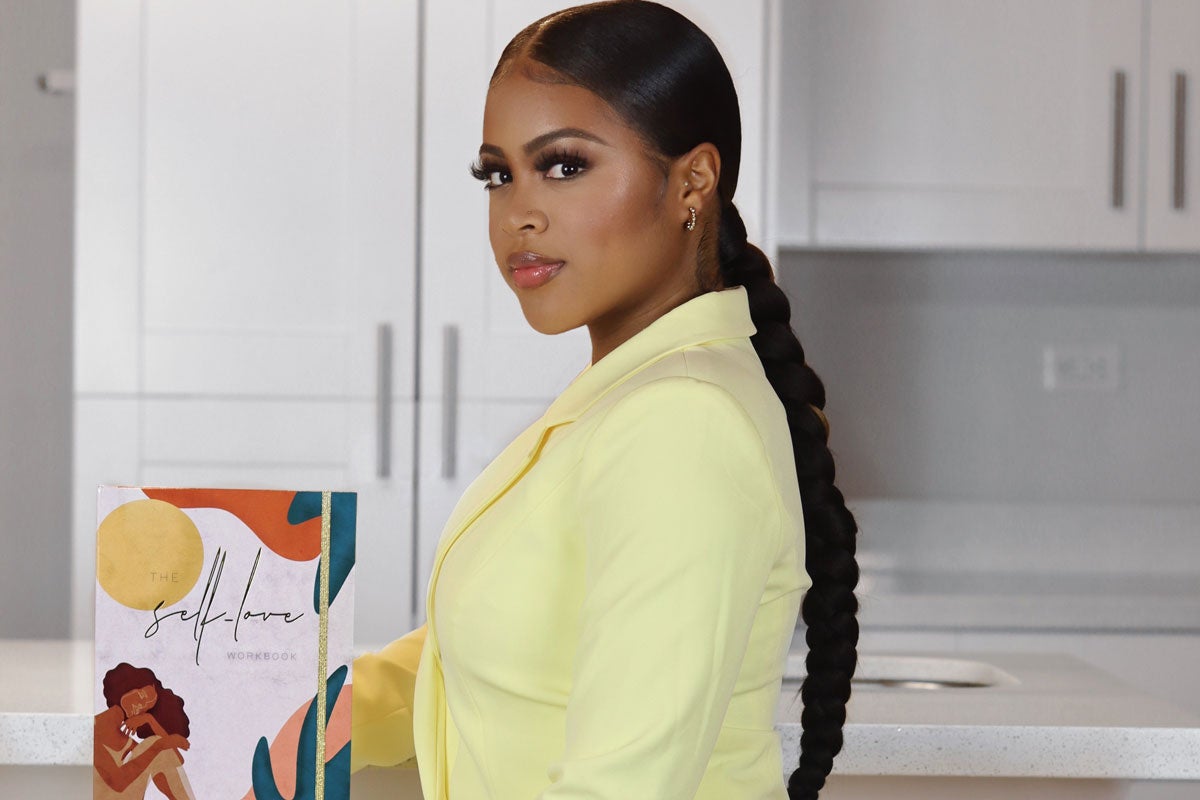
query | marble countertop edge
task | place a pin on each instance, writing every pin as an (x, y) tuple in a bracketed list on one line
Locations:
[(1014, 751), (870, 749)]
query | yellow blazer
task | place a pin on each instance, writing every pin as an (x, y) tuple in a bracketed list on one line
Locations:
[(613, 598)]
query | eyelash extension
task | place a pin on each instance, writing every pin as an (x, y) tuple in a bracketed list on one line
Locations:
[(482, 171)]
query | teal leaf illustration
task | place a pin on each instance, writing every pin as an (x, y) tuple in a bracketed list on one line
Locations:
[(343, 515), (337, 769)]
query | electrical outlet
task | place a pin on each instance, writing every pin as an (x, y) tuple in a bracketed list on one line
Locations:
[(1082, 367)]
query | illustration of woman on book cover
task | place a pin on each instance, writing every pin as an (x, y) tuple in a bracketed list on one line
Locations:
[(138, 738)]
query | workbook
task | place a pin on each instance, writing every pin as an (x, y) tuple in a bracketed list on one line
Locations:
[(224, 639)]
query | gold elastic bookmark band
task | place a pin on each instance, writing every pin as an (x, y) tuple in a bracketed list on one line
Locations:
[(323, 643)]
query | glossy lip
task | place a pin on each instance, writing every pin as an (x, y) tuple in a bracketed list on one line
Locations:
[(527, 258)]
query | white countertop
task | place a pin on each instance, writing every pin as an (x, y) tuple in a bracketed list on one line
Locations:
[(1061, 718)]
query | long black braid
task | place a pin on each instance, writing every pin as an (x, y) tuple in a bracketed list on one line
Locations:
[(668, 81), (829, 606)]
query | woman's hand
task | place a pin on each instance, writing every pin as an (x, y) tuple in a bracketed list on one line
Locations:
[(132, 724), (176, 741), (137, 721)]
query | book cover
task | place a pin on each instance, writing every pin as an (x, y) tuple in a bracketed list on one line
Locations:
[(224, 640)]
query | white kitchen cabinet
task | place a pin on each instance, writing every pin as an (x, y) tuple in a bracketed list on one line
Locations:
[(1173, 126), (977, 124), (485, 374), (245, 266)]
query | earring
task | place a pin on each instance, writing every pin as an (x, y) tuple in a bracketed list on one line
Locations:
[(691, 223)]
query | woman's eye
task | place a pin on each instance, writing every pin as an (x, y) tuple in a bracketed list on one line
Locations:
[(570, 166), (566, 166), (484, 173), (570, 162)]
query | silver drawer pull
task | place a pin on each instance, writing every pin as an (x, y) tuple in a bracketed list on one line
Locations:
[(57, 81), (383, 401), (1118, 166), (449, 399), (1177, 183)]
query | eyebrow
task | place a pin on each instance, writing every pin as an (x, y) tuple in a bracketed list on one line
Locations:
[(544, 139)]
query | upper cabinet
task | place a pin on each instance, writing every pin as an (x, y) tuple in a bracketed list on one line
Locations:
[(245, 265), (979, 124)]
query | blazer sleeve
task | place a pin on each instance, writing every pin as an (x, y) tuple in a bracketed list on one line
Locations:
[(381, 726), (680, 520)]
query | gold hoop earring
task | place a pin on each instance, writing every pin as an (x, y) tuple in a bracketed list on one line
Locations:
[(691, 223)]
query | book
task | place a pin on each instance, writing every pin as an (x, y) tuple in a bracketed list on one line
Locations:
[(224, 641)]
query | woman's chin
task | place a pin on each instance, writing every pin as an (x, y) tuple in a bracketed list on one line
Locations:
[(547, 325), (545, 320)]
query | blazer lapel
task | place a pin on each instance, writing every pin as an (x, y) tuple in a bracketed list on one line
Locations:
[(495, 479)]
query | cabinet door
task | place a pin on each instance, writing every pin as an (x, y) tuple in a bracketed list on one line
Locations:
[(964, 123), (1173, 127), (278, 200), (253, 287), (485, 373)]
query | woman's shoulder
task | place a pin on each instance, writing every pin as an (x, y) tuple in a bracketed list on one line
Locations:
[(667, 406), (724, 378)]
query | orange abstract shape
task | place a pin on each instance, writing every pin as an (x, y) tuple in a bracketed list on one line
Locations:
[(265, 511)]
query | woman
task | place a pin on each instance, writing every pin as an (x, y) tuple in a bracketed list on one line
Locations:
[(613, 599), (123, 767)]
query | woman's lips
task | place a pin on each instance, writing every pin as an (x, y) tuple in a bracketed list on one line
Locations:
[(535, 274)]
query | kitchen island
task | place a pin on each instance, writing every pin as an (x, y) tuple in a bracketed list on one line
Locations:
[(1020, 724)]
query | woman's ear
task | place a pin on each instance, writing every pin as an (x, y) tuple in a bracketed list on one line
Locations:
[(697, 173)]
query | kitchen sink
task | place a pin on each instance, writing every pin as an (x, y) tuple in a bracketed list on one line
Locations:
[(913, 672)]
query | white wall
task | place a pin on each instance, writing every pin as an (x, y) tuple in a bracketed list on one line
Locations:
[(36, 194)]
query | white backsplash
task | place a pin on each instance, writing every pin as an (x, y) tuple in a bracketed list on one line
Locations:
[(1150, 543), (932, 364)]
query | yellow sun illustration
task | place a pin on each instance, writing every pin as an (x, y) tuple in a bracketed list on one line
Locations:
[(148, 552)]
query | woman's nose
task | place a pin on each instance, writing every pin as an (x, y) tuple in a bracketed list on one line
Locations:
[(523, 216), (525, 222)]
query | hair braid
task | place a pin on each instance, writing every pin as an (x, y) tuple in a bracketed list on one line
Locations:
[(829, 606)]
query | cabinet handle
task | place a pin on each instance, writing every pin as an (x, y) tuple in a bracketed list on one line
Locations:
[(57, 81), (383, 401), (1118, 181), (449, 398), (1180, 138)]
